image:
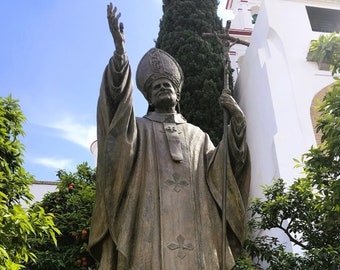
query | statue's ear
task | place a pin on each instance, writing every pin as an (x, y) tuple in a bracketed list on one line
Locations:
[(178, 92), (178, 108), (148, 95)]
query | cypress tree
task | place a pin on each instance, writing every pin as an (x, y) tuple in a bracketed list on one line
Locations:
[(181, 29)]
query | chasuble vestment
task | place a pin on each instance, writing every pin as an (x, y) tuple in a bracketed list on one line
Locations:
[(158, 190)]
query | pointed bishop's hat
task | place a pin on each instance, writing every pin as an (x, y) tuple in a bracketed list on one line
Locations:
[(156, 64)]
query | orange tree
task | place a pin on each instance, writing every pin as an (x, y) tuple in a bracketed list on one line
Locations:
[(18, 224), (72, 207)]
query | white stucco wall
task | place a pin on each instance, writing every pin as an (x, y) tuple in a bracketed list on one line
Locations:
[(275, 89), (39, 189)]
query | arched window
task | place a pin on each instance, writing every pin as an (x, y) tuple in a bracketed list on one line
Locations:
[(314, 113)]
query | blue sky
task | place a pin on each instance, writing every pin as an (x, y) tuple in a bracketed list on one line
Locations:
[(52, 56)]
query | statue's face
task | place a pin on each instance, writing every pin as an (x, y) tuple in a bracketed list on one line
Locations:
[(162, 94)]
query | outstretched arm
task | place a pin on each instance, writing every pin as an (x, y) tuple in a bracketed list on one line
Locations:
[(117, 29), (116, 86)]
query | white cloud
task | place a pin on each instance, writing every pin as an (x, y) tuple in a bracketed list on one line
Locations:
[(54, 163), (76, 132)]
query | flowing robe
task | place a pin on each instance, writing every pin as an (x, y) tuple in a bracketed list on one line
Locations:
[(158, 188)]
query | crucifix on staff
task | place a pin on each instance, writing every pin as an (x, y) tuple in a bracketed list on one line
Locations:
[(227, 42)]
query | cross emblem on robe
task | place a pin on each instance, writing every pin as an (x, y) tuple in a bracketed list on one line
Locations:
[(171, 129), (181, 246), (177, 183)]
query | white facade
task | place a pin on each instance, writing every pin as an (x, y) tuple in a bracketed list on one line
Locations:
[(275, 88), (241, 27), (39, 188)]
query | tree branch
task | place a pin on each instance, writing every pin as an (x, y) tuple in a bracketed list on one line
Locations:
[(291, 238)]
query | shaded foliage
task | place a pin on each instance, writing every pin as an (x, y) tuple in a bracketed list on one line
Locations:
[(72, 206)]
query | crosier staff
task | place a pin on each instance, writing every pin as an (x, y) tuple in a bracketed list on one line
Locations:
[(225, 40)]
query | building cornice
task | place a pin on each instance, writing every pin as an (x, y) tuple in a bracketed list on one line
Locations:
[(51, 183), (317, 1)]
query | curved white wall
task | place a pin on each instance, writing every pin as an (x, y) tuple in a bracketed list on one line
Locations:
[(275, 88)]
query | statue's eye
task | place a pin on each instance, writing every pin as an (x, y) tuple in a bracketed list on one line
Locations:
[(157, 86), (167, 84)]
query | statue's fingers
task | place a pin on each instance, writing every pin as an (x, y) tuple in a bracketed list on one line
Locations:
[(118, 16), (109, 10), (114, 11), (115, 22), (226, 91)]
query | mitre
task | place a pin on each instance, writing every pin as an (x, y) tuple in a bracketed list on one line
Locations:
[(156, 64)]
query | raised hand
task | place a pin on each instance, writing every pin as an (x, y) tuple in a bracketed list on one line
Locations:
[(117, 31)]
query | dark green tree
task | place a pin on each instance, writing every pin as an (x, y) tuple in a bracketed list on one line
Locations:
[(17, 224), (180, 35), (72, 207)]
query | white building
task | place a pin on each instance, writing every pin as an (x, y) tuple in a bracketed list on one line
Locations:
[(245, 14), (39, 188), (276, 85)]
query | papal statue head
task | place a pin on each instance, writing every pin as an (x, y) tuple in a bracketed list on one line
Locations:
[(156, 64)]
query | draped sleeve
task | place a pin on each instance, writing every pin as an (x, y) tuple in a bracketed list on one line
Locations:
[(116, 135), (238, 181)]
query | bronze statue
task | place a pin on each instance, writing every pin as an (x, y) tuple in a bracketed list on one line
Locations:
[(159, 179)]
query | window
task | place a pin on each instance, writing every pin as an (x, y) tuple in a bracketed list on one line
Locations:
[(324, 19)]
